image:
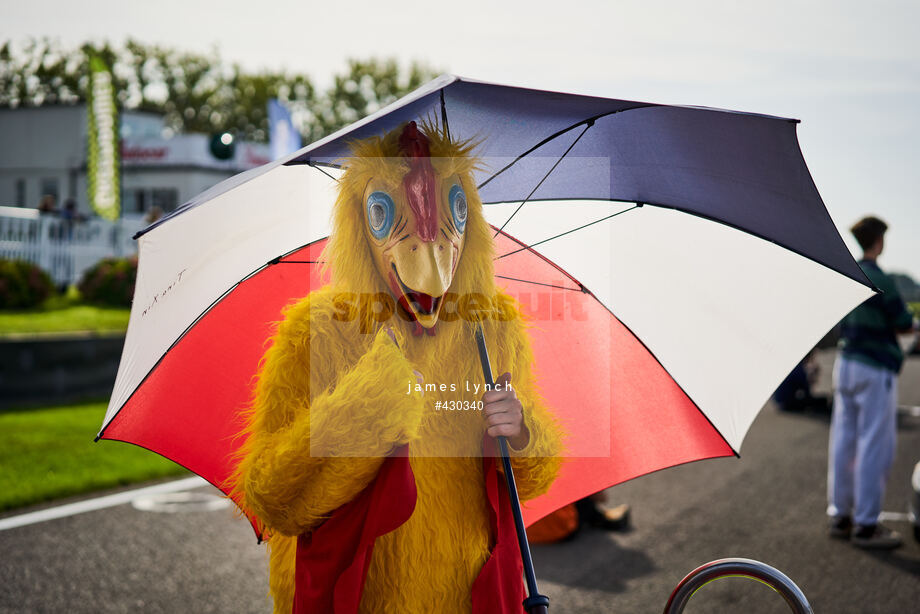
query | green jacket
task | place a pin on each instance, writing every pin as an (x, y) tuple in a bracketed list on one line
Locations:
[(868, 332)]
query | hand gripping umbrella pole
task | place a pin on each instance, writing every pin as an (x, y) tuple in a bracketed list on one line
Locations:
[(535, 602)]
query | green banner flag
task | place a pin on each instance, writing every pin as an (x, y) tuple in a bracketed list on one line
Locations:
[(103, 155)]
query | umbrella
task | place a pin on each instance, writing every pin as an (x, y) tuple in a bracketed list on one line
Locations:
[(676, 261)]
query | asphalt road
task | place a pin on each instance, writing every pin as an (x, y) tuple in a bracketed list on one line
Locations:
[(768, 505)]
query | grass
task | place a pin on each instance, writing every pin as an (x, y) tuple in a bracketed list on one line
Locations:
[(49, 453), (64, 314), (73, 318)]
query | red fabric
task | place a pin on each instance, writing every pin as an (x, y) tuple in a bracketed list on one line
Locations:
[(333, 560), (420, 182), (499, 587), (554, 527)]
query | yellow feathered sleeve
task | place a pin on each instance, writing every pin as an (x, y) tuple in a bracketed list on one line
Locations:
[(323, 418), (537, 464)]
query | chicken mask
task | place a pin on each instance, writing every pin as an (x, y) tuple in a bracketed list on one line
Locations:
[(412, 194)]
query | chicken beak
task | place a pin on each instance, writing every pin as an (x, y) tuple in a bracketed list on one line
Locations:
[(421, 272)]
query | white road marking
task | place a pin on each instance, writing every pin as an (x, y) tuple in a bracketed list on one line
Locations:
[(89, 505), (910, 410), (177, 502), (894, 517)]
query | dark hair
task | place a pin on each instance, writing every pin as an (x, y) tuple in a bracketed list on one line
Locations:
[(868, 231)]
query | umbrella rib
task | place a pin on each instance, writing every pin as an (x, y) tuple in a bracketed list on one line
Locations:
[(317, 167), (589, 120), (715, 220), (537, 187), (636, 206), (540, 283), (444, 116)]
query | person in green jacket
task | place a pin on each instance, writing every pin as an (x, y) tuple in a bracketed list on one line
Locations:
[(863, 427)]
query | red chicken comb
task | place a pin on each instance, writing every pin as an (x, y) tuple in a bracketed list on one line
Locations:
[(420, 182)]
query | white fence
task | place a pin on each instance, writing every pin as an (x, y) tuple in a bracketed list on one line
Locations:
[(64, 248)]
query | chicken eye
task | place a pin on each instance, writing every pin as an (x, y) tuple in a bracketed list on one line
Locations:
[(380, 210), (458, 207)]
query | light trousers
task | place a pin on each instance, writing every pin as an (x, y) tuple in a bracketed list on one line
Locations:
[(862, 439)]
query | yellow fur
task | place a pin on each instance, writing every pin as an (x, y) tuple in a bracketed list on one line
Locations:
[(332, 401)]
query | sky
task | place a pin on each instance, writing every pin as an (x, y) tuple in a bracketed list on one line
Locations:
[(849, 70)]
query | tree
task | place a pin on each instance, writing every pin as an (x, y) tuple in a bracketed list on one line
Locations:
[(368, 86), (40, 73), (200, 92)]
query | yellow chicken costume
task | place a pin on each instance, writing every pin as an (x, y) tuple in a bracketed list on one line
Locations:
[(351, 382)]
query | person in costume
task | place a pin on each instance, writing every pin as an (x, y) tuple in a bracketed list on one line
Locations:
[(374, 497)]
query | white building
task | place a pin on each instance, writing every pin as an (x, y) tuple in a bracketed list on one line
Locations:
[(43, 152)]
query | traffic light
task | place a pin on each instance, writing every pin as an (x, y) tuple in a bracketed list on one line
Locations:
[(222, 145)]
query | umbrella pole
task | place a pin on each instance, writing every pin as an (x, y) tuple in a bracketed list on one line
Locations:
[(535, 602)]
